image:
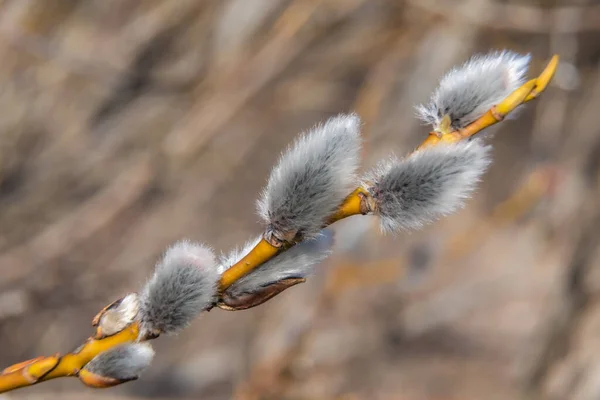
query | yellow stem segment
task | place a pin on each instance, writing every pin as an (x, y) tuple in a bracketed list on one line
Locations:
[(45, 368), (261, 253), (352, 205), (544, 78)]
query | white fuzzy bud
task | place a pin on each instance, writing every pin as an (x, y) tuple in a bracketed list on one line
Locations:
[(183, 285), (426, 185), (312, 178), (123, 363), (468, 91)]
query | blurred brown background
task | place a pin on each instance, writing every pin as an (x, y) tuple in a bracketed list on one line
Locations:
[(126, 125)]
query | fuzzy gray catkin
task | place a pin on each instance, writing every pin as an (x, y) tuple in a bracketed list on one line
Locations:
[(426, 185), (296, 262), (183, 285), (466, 92), (125, 362), (312, 178)]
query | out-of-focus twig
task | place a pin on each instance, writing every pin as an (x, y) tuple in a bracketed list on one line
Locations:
[(380, 80), (21, 24), (213, 110), (81, 223), (536, 186), (516, 17)]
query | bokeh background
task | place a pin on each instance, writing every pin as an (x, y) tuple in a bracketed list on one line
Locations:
[(126, 125)]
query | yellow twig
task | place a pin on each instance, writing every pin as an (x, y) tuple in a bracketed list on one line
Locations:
[(358, 202)]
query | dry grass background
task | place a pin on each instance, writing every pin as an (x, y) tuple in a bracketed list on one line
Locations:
[(126, 125)]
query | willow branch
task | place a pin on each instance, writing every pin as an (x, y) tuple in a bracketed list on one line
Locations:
[(358, 202)]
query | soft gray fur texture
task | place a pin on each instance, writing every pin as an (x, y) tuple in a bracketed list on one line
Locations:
[(426, 185), (468, 91), (312, 177), (297, 262), (125, 362), (183, 285)]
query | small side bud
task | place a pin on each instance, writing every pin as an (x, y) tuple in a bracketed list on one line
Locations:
[(468, 91), (285, 270), (312, 178), (119, 365), (243, 301), (426, 185), (116, 316), (183, 285)]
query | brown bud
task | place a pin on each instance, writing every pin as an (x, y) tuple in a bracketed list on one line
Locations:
[(245, 301)]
